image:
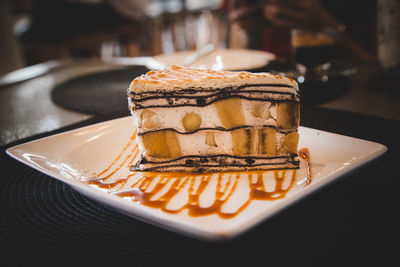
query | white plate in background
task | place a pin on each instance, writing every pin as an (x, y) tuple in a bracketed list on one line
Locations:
[(222, 59), (76, 154)]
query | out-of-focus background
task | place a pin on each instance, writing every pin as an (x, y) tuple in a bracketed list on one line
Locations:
[(34, 31), (344, 54), (65, 64)]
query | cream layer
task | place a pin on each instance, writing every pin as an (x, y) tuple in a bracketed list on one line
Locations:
[(256, 114)]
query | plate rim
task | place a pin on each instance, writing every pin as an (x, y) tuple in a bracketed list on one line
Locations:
[(253, 52), (162, 220)]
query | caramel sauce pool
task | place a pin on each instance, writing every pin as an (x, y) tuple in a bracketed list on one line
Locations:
[(148, 184)]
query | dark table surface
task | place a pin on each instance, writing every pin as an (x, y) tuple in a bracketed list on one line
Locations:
[(352, 221)]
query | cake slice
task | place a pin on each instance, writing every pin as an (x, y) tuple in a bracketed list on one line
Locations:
[(192, 120)]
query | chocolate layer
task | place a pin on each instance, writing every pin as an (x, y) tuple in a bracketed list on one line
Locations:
[(202, 97), (286, 131), (203, 90), (217, 163)]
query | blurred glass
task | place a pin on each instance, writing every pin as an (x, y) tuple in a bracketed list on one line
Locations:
[(318, 66), (167, 26), (388, 14), (389, 35), (313, 48), (187, 30)]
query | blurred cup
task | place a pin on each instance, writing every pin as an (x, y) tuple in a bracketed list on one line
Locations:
[(312, 48)]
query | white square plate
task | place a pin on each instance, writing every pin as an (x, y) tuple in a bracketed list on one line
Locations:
[(105, 150)]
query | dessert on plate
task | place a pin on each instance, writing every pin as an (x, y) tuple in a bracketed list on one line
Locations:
[(192, 120)]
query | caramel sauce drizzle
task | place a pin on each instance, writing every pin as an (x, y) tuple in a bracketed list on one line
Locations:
[(149, 184), (119, 156), (304, 153)]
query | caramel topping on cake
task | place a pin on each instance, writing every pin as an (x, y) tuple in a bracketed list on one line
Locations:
[(175, 77)]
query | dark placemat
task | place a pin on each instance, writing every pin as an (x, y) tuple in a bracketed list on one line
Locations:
[(99, 93), (353, 221)]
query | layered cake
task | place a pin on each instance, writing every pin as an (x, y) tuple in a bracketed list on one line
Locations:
[(192, 120)]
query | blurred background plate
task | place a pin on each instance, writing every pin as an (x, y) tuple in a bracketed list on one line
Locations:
[(225, 59)]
